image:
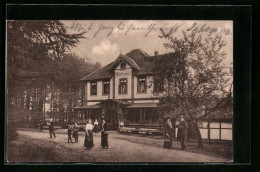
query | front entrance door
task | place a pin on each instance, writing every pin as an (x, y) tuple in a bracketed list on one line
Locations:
[(111, 119)]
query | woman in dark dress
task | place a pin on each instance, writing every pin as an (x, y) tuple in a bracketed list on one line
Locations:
[(89, 136), (168, 134), (104, 134), (182, 132), (95, 126)]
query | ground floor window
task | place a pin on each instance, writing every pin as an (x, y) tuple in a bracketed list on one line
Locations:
[(142, 115), (151, 116), (133, 115)]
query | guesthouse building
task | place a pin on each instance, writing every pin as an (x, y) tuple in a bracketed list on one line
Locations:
[(124, 91)]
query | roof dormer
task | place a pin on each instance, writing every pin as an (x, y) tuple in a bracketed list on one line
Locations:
[(122, 60)]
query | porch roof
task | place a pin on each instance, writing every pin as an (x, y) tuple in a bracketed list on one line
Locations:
[(124, 102), (87, 107), (142, 105)]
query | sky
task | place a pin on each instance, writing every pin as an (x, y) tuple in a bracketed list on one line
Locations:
[(106, 39)]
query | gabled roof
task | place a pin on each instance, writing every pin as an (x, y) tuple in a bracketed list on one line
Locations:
[(128, 60), (144, 61), (139, 60), (101, 73)]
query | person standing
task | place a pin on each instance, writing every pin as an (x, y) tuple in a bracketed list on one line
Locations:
[(182, 132), (121, 124), (51, 129), (89, 136), (40, 124), (76, 133), (168, 134), (104, 134), (95, 126), (69, 134)]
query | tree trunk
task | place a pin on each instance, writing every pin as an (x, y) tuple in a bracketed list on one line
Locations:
[(28, 100), (197, 133), (43, 104), (195, 128)]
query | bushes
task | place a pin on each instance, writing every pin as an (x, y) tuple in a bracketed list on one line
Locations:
[(11, 131)]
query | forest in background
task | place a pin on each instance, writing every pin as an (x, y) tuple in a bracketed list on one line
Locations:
[(42, 75)]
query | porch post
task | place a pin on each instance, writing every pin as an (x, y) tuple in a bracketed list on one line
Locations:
[(140, 113), (144, 114), (89, 114), (220, 130), (118, 113)]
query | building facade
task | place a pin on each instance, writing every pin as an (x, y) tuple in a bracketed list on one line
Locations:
[(122, 90)]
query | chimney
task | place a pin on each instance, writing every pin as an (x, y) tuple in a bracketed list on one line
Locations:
[(156, 53)]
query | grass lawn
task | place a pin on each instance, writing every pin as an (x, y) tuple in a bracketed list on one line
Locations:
[(26, 149)]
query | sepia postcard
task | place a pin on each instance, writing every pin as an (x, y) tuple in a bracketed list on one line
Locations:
[(89, 91)]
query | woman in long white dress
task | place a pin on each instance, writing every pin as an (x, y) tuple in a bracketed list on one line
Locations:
[(89, 135)]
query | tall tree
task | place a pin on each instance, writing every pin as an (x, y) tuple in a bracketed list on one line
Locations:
[(32, 48), (31, 45), (66, 74), (195, 77)]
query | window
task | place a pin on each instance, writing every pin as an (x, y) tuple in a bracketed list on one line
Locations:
[(158, 87), (141, 85), (123, 65), (93, 88), (106, 87), (122, 86)]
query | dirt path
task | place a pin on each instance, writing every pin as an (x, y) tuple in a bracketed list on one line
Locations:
[(120, 150)]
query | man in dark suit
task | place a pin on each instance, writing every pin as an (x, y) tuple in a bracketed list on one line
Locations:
[(168, 133), (104, 134), (182, 132), (51, 130)]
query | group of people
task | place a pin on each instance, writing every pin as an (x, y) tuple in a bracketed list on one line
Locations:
[(89, 128), (181, 134), (51, 128), (73, 131), (88, 143)]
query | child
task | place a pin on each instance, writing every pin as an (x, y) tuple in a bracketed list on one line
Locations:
[(75, 133), (69, 134)]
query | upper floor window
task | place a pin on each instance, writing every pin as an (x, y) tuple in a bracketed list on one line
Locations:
[(141, 85), (123, 65), (158, 87), (93, 88), (106, 87), (122, 86)]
